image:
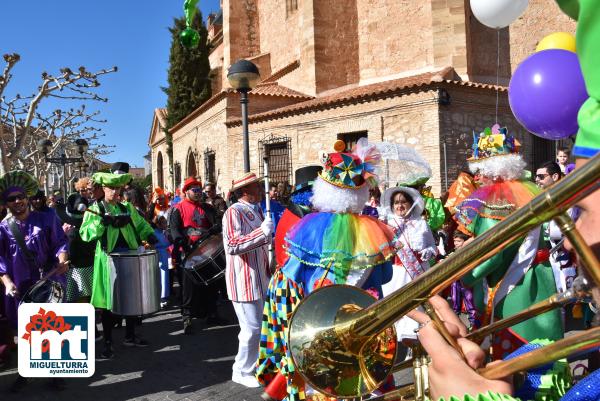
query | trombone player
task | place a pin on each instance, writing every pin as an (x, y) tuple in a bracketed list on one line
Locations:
[(449, 375)]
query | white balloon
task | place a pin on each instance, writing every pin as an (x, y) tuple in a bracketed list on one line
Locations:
[(498, 13)]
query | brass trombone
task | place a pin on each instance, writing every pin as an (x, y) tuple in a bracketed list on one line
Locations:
[(579, 292), (341, 338)]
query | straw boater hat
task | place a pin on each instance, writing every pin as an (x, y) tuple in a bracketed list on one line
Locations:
[(246, 179)]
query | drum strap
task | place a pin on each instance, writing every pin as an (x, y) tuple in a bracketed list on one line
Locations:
[(18, 235)]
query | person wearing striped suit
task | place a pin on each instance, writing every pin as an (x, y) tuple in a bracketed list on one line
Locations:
[(246, 236)]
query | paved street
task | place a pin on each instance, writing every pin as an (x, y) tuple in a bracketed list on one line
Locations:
[(173, 367)]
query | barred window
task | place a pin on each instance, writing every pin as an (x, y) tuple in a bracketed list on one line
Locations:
[(209, 166), (177, 174), (278, 151)]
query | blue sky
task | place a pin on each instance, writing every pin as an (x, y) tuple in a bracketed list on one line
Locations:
[(132, 35)]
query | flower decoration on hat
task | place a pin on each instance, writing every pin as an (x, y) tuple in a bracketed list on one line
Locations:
[(353, 169), (494, 141)]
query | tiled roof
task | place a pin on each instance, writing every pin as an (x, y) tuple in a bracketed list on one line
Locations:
[(369, 92), (277, 75), (268, 89), (274, 89), (482, 85)]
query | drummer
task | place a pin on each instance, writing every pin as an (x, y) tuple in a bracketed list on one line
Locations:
[(32, 244), (117, 226), (190, 221), (46, 246)]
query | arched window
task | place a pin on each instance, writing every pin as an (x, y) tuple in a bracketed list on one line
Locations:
[(160, 179), (192, 170)]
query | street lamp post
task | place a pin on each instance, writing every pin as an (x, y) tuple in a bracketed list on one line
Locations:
[(243, 75), (45, 145)]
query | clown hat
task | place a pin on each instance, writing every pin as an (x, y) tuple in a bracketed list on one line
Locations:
[(350, 170)]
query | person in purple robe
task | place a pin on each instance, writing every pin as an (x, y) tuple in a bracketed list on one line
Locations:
[(43, 237)]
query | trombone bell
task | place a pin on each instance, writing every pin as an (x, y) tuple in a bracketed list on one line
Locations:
[(318, 346)]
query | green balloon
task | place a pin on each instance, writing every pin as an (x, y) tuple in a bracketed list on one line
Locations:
[(189, 38)]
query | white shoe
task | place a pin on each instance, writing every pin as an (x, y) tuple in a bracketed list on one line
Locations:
[(248, 381)]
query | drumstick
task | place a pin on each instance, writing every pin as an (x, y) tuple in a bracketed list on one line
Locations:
[(83, 208), (268, 207)]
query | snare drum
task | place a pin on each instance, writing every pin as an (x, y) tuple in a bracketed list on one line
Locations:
[(44, 291), (206, 263)]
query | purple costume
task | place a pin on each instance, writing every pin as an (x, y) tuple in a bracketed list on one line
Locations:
[(459, 294), (45, 239)]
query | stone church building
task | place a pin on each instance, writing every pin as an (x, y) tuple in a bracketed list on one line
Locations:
[(417, 72)]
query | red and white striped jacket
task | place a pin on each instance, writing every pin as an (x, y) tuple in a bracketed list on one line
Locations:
[(246, 251)]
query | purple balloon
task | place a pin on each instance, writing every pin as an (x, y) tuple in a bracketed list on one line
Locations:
[(546, 92)]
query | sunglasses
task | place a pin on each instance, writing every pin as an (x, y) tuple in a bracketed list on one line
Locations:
[(196, 190), (541, 176), (14, 198)]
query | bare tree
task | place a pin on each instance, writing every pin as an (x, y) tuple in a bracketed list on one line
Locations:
[(62, 128), (21, 125)]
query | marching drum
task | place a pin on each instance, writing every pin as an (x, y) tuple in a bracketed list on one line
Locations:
[(44, 291), (135, 278), (207, 262)]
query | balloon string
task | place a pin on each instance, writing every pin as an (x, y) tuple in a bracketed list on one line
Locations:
[(497, 74), (189, 9)]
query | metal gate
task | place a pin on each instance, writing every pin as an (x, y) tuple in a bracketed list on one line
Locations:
[(278, 149)]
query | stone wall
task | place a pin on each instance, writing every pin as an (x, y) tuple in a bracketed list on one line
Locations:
[(541, 18), (241, 35), (411, 119), (336, 36), (215, 57), (205, 132), (517, 42), (472, 110), (448, 27), (341, 43), (280, 34), (160, 147), (394, 37)]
